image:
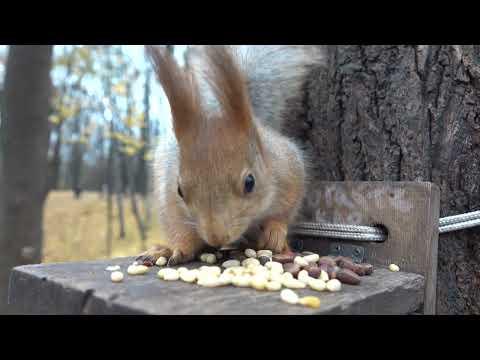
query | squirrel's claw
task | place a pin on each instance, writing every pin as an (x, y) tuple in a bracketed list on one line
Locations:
[(150, 257)]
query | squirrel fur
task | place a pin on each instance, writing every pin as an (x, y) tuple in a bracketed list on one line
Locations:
[(229, 172)]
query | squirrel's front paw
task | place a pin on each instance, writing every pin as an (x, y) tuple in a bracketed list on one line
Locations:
[(150, 257), (274, 237), (175, 256)]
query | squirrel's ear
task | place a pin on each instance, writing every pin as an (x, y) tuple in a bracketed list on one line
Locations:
[(228, 84), (179, 87)]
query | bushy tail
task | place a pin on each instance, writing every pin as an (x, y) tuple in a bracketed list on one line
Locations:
[(274, 74)]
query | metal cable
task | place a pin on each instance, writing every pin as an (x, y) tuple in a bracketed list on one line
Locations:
[(376, 234)]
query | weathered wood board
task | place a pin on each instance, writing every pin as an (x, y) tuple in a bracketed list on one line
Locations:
[(408, 210), (85, 288)]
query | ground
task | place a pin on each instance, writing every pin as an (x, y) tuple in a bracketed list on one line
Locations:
[(75, 230)]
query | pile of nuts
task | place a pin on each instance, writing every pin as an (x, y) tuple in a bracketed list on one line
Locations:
[(264, 271)]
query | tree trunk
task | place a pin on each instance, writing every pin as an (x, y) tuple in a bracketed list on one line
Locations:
[(405, 113), (25, 147)]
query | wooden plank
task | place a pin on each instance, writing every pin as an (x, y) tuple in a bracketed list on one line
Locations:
[(85, 288), (408, 210)]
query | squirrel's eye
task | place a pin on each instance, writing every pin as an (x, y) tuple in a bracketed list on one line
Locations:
[(249, 183), (180, 192)]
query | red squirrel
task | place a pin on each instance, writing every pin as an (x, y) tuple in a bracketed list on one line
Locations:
[(229, 172)]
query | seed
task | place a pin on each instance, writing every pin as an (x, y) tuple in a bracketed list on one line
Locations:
[(113, 268), (230, 263), (292, 268), (208, 280), (274, 267), (303, 276), (212, 270), (347, 276), (250, 253), (236, 270), (162, 261), (334, 285), (293, 284), (241, 280), (137, 269), (284, 258), (182, 270), (313, 271), (264, 259), (225, 278), (394, 267), (171, 275), (273, 286), (250, 261), (289, 296), (286, 275), (317, 284), (312, 258), (310, 301), (327, 260), (188, 276), (116, 276), (324, 276), (202, 257), (300, 261), (258, 282), (275, 276), (264, 253), (210, 258)]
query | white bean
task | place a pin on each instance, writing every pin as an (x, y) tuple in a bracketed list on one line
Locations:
[(226, 278), (213, 270), (300, 261), (231, 263), (312, 258), (394, 268), (310, 301), (164, 271), (116, 276), (137, 269), (273, 286), (208, 280), (182, 269), (250, 253), (289, 296), (317, 284), (274, 276), (274, 266), (334, 285)]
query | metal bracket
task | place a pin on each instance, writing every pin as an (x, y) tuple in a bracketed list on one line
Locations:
[(355, 252)]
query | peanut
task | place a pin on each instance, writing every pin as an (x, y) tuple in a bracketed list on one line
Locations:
[(289, 296), (162, 261), (171, 275), (293, 284), (209, 280), (250, 261), (267, 253), (188, 276), (273, 285), (334, 285), (258, 282), (230, 263), (210, 258), (312, 258), (113, 268), (347, 276), (394, 268), (310, 301), (250, 253), (137, 269), (324, 276), (317, 284), (225, 278), (116, 276), (300, 261), (274, 266), (241, 280), (303, 276)]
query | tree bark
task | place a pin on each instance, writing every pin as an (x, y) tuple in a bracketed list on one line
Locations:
[(405, 113), (25, 147)]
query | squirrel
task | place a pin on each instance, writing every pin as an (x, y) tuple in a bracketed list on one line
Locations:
[(229, 173)]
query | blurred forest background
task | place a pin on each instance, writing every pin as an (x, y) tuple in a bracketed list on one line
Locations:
[(106, 114)]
